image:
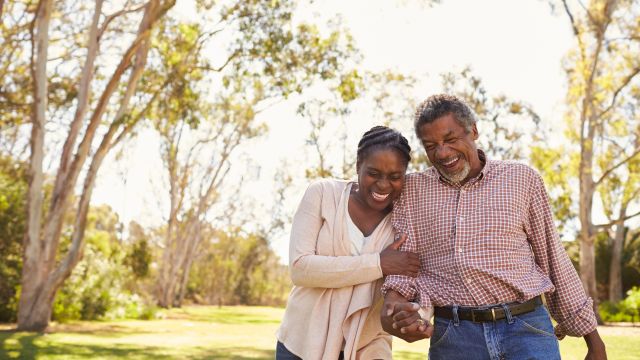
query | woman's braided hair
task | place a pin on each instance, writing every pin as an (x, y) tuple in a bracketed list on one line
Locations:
[(382, 137)]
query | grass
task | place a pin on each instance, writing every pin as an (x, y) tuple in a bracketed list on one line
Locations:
[(233, 333)]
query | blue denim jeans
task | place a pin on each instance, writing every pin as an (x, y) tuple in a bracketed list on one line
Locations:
[(525, 336), (282, 353)]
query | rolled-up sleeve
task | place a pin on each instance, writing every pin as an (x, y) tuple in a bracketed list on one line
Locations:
[(568, 304), (309, 269), (405, 285)]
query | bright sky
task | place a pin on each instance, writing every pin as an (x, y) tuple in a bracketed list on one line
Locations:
[(516, 47)]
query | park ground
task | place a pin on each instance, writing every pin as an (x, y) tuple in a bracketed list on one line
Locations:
[(207, 332)]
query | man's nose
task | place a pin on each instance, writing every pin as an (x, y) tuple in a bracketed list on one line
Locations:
[(442, 152)]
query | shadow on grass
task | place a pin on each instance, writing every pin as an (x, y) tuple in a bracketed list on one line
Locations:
[(224, 316), (235, 353), (97, 329), (31, 346), (22, 345)]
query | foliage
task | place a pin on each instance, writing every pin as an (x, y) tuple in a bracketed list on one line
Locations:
[(383, 97), (627, 310), (100, 285), (236, 268), (251, 56), (602, 99), (13, 188), (505, 125)]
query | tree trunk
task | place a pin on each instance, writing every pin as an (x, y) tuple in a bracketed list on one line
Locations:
[(186, 269), (587, 190), (33, 314), (615, 270), (41, 278)]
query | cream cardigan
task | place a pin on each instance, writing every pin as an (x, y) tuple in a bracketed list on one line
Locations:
[(336, 296)]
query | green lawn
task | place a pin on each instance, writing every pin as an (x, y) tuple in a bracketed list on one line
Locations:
[(217, 333)]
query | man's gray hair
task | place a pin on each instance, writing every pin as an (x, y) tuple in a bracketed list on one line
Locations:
[(437, 106)]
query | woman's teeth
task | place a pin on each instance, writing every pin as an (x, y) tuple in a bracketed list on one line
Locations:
[(379, 197)]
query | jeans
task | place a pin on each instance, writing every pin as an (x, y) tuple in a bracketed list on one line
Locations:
[(525, 336), (282, 353)]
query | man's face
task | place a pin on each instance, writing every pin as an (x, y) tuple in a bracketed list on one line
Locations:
[(451, 149)]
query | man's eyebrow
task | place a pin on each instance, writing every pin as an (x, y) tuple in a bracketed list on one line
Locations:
[(448, 134)]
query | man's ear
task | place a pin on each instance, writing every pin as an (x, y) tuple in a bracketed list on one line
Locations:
[(474, 130)]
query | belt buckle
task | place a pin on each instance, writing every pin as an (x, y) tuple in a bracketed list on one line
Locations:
[(493, 315)]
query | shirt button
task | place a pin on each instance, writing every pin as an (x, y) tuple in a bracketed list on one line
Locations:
[(461, 218), (469, 281), (460, 250)]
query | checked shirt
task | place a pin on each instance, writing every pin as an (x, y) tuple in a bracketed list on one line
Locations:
[(489, 241)]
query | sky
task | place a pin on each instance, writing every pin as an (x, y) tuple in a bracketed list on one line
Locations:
[(516, 47)]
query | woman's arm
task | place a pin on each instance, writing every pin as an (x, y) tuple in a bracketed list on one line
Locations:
[(311, 270)]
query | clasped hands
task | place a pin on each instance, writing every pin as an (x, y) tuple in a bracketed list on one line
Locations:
[(402, 319)]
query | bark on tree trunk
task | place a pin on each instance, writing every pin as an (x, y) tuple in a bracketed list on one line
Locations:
[(186, 268), (615, 271), (32, 314), (41, 278), (587, 231)]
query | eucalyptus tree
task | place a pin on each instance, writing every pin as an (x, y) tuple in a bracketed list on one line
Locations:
[(85, 61), (216, 75), (603, 122)]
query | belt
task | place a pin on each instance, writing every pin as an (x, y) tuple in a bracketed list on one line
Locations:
[(486, 314)]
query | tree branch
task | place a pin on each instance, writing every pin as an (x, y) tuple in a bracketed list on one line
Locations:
[(635, 152), (624, 84), (610, 224)]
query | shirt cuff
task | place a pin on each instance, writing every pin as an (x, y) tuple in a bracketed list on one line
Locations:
[(403, 287), (581, 323)]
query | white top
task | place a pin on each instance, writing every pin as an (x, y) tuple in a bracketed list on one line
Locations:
[(355, 235)]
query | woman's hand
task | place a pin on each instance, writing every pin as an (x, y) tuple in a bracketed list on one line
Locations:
[(395, 262)]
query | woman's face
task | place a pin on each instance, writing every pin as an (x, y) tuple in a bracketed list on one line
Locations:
[(380, 178)]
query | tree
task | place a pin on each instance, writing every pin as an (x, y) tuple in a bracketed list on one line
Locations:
[(42, 273), (266, 61), (602, 96), (507, 127), (387, 101)]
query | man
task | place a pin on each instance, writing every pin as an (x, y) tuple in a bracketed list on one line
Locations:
[(489, 252)]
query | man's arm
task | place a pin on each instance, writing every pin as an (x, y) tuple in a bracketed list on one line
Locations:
[(568, 304), (595, 346)]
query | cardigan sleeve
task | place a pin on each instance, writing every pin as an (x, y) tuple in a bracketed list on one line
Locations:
[(309, 269)]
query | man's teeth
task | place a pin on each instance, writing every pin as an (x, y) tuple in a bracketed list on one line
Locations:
[(379, 197), (450, 161)]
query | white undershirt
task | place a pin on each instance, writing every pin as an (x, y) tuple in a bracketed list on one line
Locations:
[(355, 235)]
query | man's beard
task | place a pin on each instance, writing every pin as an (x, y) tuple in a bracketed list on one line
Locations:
[(458, 177)]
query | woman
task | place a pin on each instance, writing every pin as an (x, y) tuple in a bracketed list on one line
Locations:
[(341, 246)]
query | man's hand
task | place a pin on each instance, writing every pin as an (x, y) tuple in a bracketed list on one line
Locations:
[(596, 346), (400, 318), (394, 262)]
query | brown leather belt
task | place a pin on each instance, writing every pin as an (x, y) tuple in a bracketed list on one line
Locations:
[(486, 314)]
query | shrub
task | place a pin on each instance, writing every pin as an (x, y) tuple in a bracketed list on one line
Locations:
[(627, 310)]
